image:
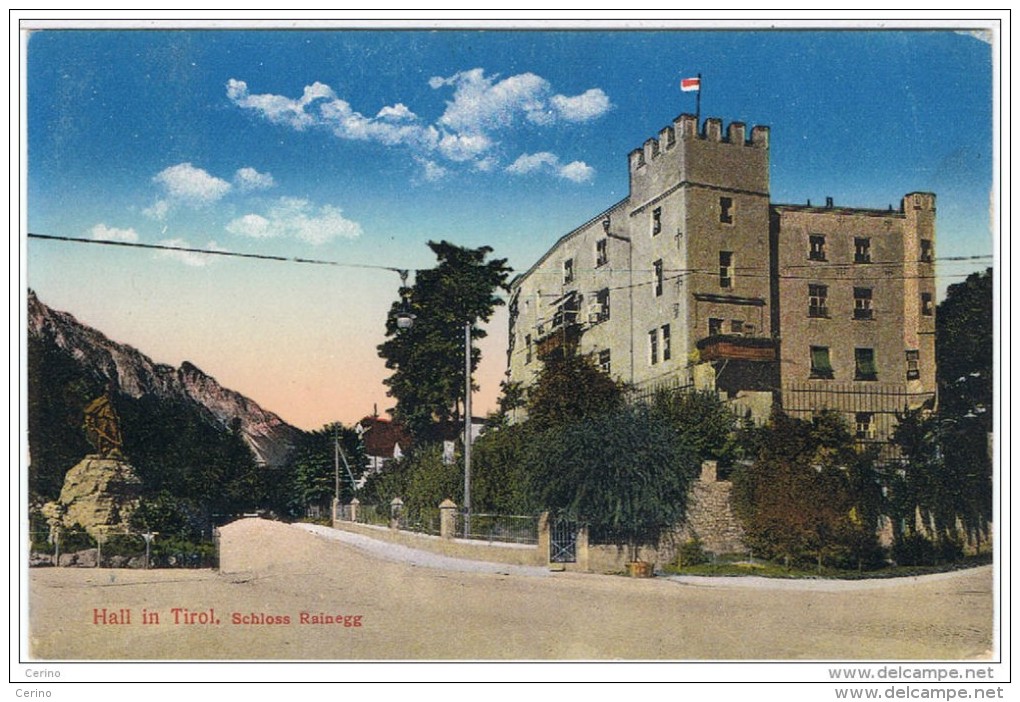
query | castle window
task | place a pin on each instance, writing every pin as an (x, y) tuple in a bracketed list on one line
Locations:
[(725, 269), (527, 348), (818, 297), (726, 210), (656, 220), (601, 252), (658, 277), (653, 346), (864, 362), (913, 364), (714, 326), (568, 271), (820, 365), (816, 247), (666, 350), (864, 423), (927, 308), (862, 250), (927, 251), (601, 311), (862, 304), (736, 326), (605, 364)]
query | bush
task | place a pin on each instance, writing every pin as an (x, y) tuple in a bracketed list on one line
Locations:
[(76, 539), (912, 550), (691, 553)]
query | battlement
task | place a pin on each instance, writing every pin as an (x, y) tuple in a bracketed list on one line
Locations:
[(685, 128)]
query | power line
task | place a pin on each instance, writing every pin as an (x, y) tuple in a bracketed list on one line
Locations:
[(215, 252)]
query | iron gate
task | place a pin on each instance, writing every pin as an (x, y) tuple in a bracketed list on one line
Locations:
[(563, 542)]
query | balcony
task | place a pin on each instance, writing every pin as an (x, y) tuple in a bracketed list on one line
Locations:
[(729, 347)]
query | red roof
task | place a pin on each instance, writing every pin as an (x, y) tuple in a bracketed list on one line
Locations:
[(381, 436)]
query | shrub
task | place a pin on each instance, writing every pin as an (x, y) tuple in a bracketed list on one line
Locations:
[(912, 550), (691, 553)]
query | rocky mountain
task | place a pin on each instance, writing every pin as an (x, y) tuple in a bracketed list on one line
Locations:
[(137, 375)]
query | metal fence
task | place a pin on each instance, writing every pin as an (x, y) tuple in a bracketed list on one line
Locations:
[(378, 515), (503, 528), (644, 393), (121, 551), (422, 521)]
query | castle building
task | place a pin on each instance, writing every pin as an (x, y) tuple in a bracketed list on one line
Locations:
[(696, 279)]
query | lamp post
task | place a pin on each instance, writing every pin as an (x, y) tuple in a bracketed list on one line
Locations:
[(405, 320)]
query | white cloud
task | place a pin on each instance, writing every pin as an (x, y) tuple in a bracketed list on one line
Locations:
[(192, 185), (158, 211), (279, 109), (433, 171), (189, 258), (577, 171), (481, 103), (528, 163), (466, 133), (248, 178), (396, 113), (548, 163), (581, 108), (101, 232), (297, 218)]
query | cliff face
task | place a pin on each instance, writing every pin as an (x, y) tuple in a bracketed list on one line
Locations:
[(136, 375)]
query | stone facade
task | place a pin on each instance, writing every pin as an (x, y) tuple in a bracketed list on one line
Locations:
[(696, 279)]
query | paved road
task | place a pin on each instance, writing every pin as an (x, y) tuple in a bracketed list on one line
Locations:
[(289, 593)]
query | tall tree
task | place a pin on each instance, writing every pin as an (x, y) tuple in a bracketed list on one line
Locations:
[(964, 350), (427, 359), (312, 470), (570, 388), (623, 472)]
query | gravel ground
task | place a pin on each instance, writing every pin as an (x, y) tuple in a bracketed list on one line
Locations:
[(288, 592)]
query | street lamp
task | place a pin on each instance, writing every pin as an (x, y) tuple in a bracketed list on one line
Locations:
[(405, 320)]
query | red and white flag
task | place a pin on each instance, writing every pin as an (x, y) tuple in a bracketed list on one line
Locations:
[(690, 85)]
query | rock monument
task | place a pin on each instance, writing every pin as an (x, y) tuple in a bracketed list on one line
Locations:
[(101, 491)]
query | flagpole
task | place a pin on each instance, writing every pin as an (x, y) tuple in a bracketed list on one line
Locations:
[(697, 106)]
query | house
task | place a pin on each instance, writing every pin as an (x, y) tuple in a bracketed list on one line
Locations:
[(696, 279)]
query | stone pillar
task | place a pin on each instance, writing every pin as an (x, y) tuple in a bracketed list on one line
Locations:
[(543, 539), (581, 548), (396, 512), (354, 509), (709, 471), (447, 519)]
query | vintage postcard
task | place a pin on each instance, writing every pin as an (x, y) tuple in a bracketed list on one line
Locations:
[(470, 342)]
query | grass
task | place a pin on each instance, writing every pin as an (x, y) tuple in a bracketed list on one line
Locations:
[(768, 569)]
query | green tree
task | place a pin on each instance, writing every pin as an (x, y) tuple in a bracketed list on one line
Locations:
[(809, 493), (964, 349), (571, 387), (312, 468), (701, 421), (623, 472), (502, 479), (427, 359)]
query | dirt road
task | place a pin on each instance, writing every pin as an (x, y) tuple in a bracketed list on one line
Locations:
[(290, 594)]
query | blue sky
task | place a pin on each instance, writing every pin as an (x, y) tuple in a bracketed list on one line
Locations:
[(360, 146)]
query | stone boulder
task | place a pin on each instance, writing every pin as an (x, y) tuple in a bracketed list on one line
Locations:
[(99, 493)]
